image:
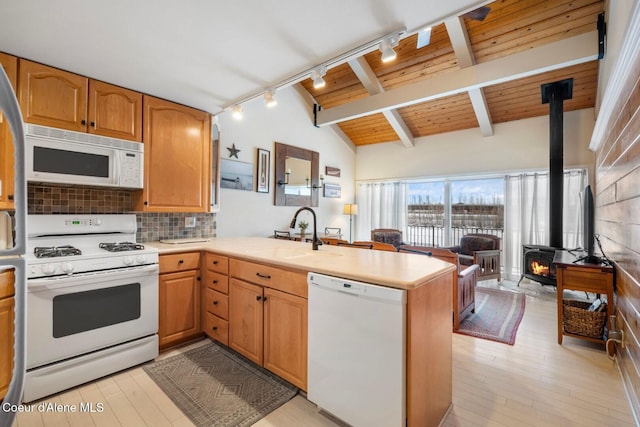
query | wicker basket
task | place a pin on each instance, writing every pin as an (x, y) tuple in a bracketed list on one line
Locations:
[(577, 319)]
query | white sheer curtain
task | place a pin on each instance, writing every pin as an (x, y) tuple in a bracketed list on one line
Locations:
[(527, 215), (380, 205)]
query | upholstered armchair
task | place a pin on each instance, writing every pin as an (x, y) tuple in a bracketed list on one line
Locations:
[(481, 249), (387, 235), (465, 279)]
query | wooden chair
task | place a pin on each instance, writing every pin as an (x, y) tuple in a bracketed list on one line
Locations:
[(387, 235), (414, 250), (377, 246), (465, 280), (333, 231), (332, 240), (355, 245), (278, 234), (483, 250)]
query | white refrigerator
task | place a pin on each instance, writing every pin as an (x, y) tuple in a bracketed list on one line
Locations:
[(13, 246)]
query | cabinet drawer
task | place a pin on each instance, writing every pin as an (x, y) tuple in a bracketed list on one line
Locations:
[(179, 262), (7, 279), (217, 281), (217, 328), (217, 263), (273, 277), (217, 303), (586, 279)]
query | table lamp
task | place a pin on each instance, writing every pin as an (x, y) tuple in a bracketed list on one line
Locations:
[(350, 209)]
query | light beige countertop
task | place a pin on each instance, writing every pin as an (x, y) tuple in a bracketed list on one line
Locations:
[(393, 269)]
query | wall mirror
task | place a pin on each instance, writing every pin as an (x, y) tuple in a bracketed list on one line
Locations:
[(297, 176)]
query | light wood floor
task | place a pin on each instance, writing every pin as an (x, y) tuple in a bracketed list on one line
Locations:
[(536, 382)]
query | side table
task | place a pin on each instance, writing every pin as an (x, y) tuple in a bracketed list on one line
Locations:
[(580, 276)]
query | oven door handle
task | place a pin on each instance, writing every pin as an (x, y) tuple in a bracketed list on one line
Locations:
[(71, 279)]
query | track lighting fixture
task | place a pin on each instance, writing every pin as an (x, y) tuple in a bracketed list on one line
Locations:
[(386, 47), (270, 98), (237, 112), (316, 76), (385, 43)]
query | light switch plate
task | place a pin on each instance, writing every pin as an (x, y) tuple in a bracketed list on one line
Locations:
[(190, 221)]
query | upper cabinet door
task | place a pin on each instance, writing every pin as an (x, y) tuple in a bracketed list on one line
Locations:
[(115, 111), (52, 97), (177, 144), (10, 65)]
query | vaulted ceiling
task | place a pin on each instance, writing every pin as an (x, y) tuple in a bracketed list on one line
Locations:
[(473, 73)]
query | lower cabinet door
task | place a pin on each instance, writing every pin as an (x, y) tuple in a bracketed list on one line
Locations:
[(245, 319), (179, 309), (285, 336)]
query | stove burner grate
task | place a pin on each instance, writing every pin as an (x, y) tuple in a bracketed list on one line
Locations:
[(55, 251), (121, 246)]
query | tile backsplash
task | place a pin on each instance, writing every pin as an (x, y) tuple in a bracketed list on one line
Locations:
[(51, 199), (156, 226)]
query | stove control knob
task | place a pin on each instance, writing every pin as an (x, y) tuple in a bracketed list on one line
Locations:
[(128, 260), (48, 269), (67, 267), (141, 259)]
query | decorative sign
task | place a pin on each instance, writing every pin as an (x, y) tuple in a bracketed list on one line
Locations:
[(332, 190), (331, 171)]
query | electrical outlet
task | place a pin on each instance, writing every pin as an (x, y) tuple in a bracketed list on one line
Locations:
[(190, 221)]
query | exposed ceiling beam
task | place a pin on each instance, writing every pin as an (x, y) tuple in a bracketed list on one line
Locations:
[(464, 53), (564, 53), (460, 41), (370, 81), (310, 100)]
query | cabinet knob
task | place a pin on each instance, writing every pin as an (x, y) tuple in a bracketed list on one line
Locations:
[(215, 328), (264, 299), (258, 297), (181, 261), (83, 122), (215, 303), (93, 124), (10, 196), (215, 262)]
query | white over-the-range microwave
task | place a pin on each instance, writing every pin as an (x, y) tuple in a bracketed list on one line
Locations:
[(67, 157)]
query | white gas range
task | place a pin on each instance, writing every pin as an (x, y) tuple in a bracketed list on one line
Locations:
[(92, 300)]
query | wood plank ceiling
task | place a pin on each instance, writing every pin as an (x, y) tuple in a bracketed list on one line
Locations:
[(511, 27)]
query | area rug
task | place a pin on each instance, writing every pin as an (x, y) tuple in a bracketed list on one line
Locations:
[(497, 317), (215, 386)]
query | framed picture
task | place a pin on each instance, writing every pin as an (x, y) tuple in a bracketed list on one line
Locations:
[(332, 190), (331, 171), (236, 175), (262, 171)]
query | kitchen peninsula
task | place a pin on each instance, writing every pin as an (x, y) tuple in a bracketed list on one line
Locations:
[(245, 262)]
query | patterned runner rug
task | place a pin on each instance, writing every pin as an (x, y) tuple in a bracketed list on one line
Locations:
[(497, 317), (215, 386)]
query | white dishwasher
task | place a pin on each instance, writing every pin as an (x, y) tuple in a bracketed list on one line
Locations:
[(356, 353)]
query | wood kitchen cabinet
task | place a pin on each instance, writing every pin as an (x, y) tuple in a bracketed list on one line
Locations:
[(215, 299), (57, 98), (10, 65), (179, 298), (177, 146), (268, 318), (7, 304)]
